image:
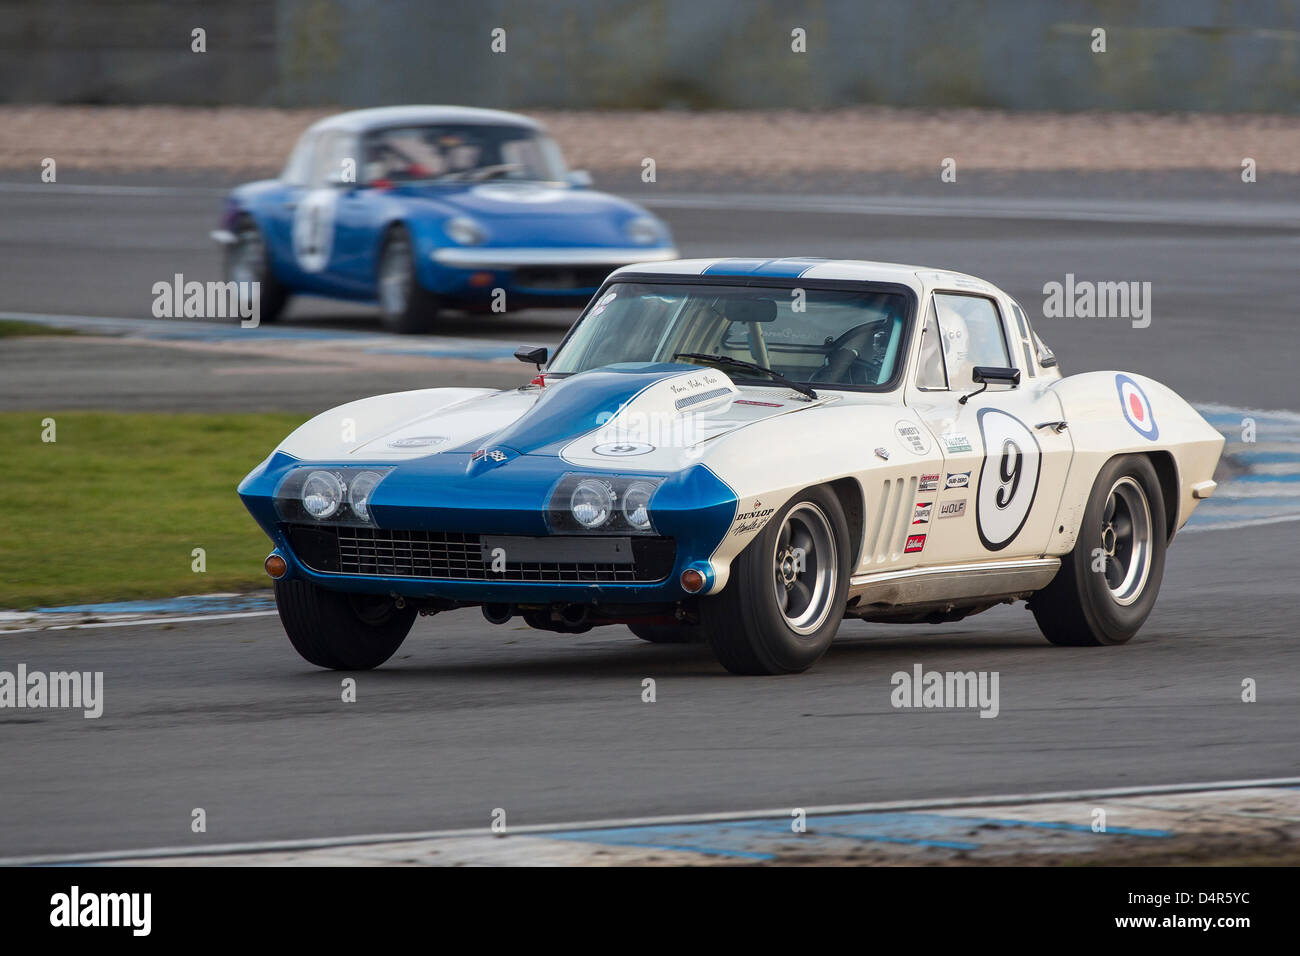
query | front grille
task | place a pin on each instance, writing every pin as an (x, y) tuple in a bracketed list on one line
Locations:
[(454, 556), (561, 277)]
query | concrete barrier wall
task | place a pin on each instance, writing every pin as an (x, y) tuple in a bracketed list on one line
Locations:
[(1018, 54)]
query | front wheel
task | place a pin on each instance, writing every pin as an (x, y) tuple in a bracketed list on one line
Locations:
[(785, 598), (405, 306), (344, 632), (1108, 584), (247, 262)]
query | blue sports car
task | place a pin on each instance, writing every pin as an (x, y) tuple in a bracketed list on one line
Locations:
[(421, 208)]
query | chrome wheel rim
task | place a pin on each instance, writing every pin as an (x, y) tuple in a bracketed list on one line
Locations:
[(248, 256), (1126, 541), (395, 277), (805, 572)]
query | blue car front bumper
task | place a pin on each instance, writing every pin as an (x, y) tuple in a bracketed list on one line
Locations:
[(436, 517)]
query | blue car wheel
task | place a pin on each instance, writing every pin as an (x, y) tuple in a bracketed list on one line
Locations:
[(405, 305), (247, 262)]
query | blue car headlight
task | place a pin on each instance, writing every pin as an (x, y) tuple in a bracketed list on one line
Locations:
[(603, 504), (328, 495), (643, 230), (464, 231)]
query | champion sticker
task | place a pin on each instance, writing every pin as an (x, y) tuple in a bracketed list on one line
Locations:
[(912, 437), (928, 483), (624, 449), (915, 542), (953, 509), (959, 479), (1137, 407), (955, 441), (921, 513)]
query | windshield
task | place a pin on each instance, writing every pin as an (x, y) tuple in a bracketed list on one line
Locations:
[(462, 151), (817, 336)]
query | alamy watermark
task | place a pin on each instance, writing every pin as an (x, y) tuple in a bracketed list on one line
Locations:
[(79, 690), (946, 689), (1084, 299)]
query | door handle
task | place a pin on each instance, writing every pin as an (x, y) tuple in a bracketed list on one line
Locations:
[(1057, 427)]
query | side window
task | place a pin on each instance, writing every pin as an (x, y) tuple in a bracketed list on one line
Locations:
[(1023, 325), (327, 163), (931, 375), (971, 331), (298, 167)]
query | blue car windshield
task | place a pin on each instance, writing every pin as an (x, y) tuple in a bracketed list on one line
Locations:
[(471, 152), (827, 337)]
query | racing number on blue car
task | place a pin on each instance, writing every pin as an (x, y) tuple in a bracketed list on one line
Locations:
[(1008, 480), (313, 229)]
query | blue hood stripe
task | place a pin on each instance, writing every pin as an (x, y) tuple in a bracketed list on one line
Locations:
[(790, 268)]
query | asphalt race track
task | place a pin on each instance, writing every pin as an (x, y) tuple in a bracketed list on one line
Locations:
[(469, 717)]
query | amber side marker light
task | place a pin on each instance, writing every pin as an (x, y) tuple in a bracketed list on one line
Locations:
[(692, 580), (276, 566)]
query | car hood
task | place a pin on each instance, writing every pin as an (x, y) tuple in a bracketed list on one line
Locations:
[(655, 417), (538, 213)]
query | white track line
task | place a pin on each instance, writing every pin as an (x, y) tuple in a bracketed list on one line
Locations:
[(188, 619), (271, 846)]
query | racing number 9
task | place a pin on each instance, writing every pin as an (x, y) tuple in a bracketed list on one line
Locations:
[(1009, 469), (1008, 480)]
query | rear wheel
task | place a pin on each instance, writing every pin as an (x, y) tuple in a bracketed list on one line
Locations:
[(785, 598), (1108, 584), (404, 305), (247, 262), (347, 632)]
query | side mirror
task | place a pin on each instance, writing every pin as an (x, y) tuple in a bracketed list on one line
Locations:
[(580, 179), (532, 354), (986, 375), (993, 375)]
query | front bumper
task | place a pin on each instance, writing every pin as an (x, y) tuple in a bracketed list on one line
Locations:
[(432, 519)]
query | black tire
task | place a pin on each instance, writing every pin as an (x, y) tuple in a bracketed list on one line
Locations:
[(668, 633), (1084, 607), (749, 632), (246, 260), (344, 632), (405, 306)]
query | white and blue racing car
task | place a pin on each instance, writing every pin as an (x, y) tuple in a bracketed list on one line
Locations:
[(743, 452)]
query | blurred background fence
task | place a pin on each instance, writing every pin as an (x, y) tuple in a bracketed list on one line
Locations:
[(705, 54)]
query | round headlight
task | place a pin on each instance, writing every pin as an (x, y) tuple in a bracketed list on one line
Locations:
[(359, 493), (322, 494), (636, 504), (464, 231), (643, 230), (591, 503)]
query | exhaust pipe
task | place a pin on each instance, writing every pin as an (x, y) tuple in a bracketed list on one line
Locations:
[(498, 613), (575, 615)]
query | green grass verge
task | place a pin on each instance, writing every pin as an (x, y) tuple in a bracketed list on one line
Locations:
[(11, 327), (114, 507)]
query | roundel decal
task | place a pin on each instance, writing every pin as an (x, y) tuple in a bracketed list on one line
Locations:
[(1008, 479), (1137, 407), (313, 229)]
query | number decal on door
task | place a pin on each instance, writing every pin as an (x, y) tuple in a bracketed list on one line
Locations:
[(1008, 480), (313, 229)]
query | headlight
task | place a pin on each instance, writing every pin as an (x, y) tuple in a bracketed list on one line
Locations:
[(643, 230), (605, 504), (359, 493), (464, 231), (339, 495), (592, 503), (322, 494), (636, 504)]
